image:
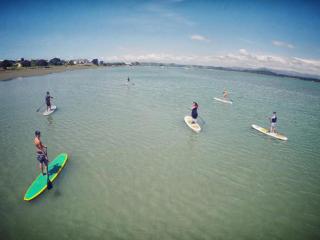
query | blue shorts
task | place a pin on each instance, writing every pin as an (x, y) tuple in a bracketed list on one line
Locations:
[(42, 159)]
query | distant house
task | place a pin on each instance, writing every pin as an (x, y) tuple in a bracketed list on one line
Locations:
[(81, 61)]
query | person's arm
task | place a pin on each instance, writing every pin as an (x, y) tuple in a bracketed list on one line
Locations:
[(43, 148)]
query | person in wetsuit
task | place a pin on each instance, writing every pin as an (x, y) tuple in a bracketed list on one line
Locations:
[(194, 112), (41, 151), (273, 121), (48, 101)]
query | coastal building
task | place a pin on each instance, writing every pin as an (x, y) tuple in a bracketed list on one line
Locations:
[(81, 61)]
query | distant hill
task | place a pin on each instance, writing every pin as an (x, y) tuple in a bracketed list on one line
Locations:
[(264, 71)]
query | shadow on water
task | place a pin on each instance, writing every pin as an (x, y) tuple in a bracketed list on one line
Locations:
[(55, 169), (56, 191)]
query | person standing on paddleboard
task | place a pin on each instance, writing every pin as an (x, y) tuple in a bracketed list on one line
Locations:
[(41, 151), (273, 121), (48, 101), (225, 94), (194, 112)]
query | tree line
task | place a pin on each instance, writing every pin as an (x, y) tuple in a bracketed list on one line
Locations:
[(5, 64)]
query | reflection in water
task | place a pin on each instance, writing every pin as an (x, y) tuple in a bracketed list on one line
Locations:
[(50, 120)]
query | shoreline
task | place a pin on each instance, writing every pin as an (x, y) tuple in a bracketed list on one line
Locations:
[(6, 75)]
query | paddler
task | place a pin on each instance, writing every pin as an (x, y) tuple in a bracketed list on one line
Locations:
[(194, 112), (48, 101), (273, 121), (225, 94), (41, 151)]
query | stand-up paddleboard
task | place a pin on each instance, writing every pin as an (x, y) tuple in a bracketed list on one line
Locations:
[(266, 131), (39, 185), (222, 100), (53, 108), (194, 126)]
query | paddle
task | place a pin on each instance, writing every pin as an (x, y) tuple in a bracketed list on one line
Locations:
[(40, 107), (202, 120), (49, 183)]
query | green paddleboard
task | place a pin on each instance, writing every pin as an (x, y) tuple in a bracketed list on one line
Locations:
[(39, 185)]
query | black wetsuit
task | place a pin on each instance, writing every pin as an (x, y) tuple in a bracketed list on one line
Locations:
[(194, 113), (48, 100)]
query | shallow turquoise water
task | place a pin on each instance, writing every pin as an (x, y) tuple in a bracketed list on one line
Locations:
[(137, 172)]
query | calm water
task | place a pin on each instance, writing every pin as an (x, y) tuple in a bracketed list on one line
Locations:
[(137, 172)]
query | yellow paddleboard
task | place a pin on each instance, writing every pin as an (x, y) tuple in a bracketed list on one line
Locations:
[(194, 126), (266, 131)]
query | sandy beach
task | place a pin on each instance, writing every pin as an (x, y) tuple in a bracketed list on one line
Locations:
[(38, 71)]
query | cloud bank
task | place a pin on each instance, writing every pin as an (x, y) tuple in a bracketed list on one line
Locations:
[(242, 59), (282, 44), (201, 38)]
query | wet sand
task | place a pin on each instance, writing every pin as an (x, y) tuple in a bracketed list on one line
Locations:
[(38, 71)]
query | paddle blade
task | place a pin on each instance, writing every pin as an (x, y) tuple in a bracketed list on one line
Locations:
[(49, 184)]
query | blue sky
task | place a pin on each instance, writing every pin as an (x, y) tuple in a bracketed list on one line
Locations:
[(265, 33)]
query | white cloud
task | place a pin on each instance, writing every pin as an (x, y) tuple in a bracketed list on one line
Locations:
[(243, 52), (197, 37), (282, 44), (242, 58)]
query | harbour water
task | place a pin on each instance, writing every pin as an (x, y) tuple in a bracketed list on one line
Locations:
[(136, 171)]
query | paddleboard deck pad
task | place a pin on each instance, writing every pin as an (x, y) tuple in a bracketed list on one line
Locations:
[(194, 126), (39, 185), (53, 108), (223, 100), (266, 131)]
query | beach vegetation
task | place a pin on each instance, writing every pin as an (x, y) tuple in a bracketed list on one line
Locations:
[(33, 63), (71, 62), (42, 63), (6, 64), (95, 61), (25, 63), (56, 62)]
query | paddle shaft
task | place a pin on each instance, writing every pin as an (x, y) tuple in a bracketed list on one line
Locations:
[(40, 107), (49, 183)]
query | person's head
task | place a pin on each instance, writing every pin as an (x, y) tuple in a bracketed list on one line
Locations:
[(48, 93), (37, 133), (195, 104), (274, 113)]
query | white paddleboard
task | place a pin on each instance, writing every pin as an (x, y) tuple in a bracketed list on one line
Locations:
[(266, 131), (53, 108), (194, 126), (222, 100)]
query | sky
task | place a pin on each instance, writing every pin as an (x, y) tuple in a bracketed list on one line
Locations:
[(253, 34)]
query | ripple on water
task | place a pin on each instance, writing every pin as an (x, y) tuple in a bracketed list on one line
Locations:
[(135, 171)]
